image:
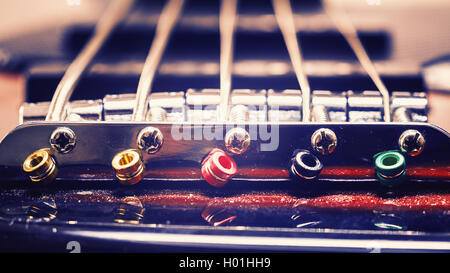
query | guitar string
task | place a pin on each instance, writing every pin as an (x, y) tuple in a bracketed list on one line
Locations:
[(284, 16), (114, 14), (227, 19), (166, 22), (343, 23), (169, 15)]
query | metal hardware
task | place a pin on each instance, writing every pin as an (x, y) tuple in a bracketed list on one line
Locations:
[(390, 168), (218, 168), (343, 23), (170, 107), (157, 114), (63, 140), (285, 19), (227, 20), (118, 107), (81, 110), (415, 104), (202, 105), (401, 114), (285, 105), (273, 106), (255, 102), (40, 166), (239, 114), (324, 141), (411, 142), (114, 14), (167, 107), (305, 165), (320, 114), (166, 22), (129, 166), (237, 140), (150, 140), (366, 106), (77, 110), (29, 112), (334, 102), (102, 140)]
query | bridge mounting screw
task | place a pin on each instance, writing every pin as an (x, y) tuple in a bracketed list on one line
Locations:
[(150, 140), (63, 140), (237, 140), (324, 141), (411, 142)]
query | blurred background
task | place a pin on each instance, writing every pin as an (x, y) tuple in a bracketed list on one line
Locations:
[(419, 29)]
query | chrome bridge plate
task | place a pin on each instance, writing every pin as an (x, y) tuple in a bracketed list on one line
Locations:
[(186, 145)]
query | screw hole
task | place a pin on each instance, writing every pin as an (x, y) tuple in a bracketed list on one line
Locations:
[(309, 160), (35, 160), (390, 160), (224, 162), (126, 159)]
